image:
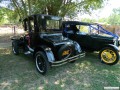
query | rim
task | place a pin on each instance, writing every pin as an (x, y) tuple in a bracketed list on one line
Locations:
[(108, 56), (68, 55), (40, 63)]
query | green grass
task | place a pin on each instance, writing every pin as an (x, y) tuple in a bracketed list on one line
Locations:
[(19, 73)]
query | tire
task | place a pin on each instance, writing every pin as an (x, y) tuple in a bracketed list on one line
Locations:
[(15, 47), (42, 63), (109, 56), (66, 48)]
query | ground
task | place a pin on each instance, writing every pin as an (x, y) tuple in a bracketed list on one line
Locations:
[(88, 73)]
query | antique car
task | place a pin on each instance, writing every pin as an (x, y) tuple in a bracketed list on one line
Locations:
[(44, 40), (93, 37)]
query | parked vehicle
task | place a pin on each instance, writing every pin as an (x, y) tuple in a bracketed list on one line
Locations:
[(93, 37), (44, 40)]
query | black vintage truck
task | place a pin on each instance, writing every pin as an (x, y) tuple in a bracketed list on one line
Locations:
[(93, 37), (44, 40)]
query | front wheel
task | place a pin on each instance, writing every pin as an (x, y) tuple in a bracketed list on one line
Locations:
[(109, 56), (42, 63)]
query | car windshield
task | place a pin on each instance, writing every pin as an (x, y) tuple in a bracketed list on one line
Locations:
[(49, 24), (52, 24)]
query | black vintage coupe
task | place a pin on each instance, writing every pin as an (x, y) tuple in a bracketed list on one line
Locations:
[(44, 40), (93, 37)]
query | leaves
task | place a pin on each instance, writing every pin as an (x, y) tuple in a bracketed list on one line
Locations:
[(114, 18), (61, 8)]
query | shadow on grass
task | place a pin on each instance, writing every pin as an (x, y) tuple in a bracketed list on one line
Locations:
[(19, 73)]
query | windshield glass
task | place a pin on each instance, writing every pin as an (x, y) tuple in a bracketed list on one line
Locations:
[(49, 24), (52, 24)]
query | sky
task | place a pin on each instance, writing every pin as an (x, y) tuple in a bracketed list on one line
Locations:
[(103, 12), (4, 3)]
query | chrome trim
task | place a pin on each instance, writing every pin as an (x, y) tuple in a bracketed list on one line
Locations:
[(71, 58), (60, 43), (37, 64)]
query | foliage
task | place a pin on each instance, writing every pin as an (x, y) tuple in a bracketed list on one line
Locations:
[(1, 16), (88, 20), (114, 18), (55, 7), (8, 16), (22, 8)]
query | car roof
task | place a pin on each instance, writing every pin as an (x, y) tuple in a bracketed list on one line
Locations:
[(77, 23)]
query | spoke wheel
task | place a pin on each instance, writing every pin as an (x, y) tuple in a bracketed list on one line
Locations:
[(109, 56), (42, 63)]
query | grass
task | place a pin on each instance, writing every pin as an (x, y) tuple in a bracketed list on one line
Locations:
[(19, 73)]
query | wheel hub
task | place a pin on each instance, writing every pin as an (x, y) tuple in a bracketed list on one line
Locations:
[(108, 56)]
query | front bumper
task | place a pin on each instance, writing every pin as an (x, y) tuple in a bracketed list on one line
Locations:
[(64, 61)]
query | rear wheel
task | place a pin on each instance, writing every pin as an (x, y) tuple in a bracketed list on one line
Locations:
[(15, 47), (109, 56), (42, 63)]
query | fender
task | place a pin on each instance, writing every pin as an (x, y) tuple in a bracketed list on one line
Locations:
[(77, 47), (113, 46), (47, 51)]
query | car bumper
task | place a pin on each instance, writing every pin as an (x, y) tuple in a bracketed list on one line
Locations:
[(64, 61)]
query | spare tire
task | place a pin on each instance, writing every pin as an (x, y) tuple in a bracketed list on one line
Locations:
[(66, 51)]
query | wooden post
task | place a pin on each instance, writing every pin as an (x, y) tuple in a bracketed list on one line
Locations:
[(14, 31)]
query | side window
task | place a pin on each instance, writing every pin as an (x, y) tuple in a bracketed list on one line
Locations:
[(84, 29), (32, 25), (26, 25), (78, 27)]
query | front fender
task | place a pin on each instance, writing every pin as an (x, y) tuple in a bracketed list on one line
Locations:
[(113, 46), (47, 51)]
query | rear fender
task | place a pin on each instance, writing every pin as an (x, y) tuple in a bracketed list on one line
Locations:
[(47, 51)]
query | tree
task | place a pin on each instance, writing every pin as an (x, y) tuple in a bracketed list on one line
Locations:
[(54, 7), (114, 18)]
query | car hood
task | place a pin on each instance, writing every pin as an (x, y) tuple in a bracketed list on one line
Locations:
[(55, 38), (102, 37)]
